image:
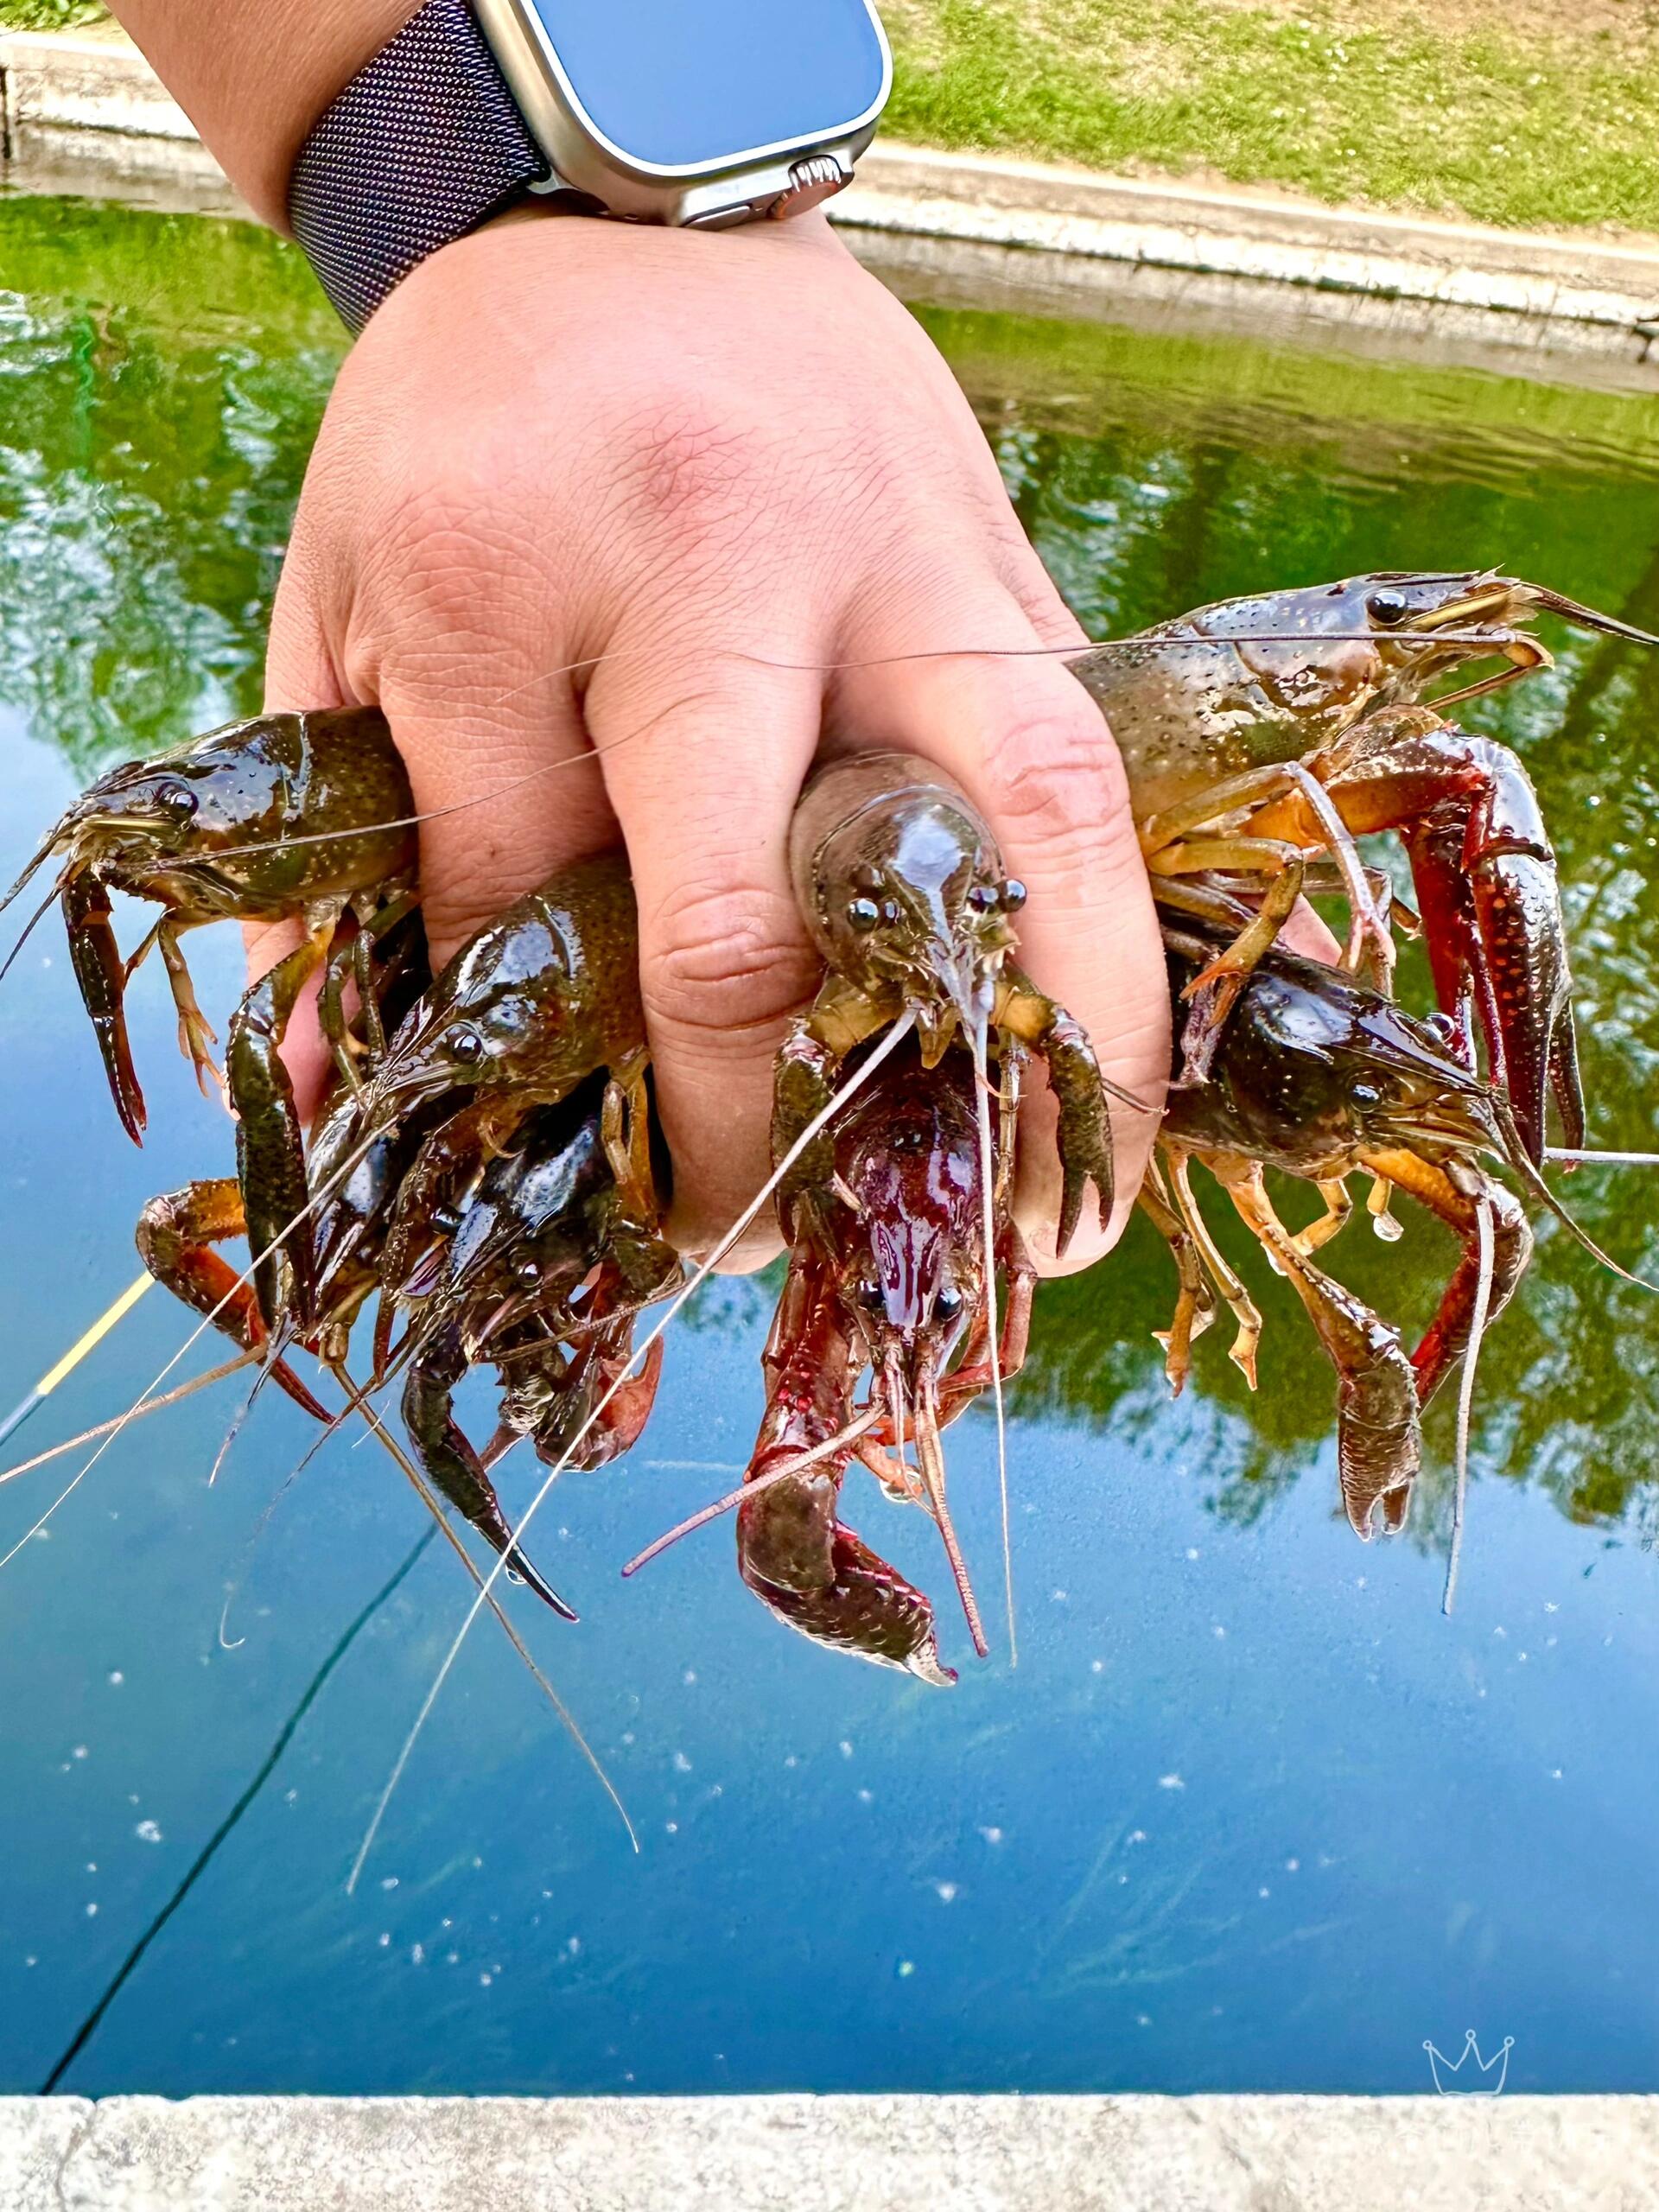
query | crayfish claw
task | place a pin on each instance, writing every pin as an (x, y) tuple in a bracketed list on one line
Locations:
[(519, 1566), (867, 1608), (1566, 1083), (101, 976)]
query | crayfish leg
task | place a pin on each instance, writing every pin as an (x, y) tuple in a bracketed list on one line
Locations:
[(174, 1236), (1338, 1209), (1085, 1129), (1243, 1349), (270, 1152), (1290, 805), (196, 1038), (1195, 1305), (1212, 993), (803, 1085), (1379, 1441)]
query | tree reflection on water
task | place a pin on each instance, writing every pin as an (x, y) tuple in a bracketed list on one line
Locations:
[(161, 381)]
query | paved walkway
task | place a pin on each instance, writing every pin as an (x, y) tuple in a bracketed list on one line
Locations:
[(832, 2154)]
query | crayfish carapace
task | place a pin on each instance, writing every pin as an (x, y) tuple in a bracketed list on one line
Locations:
[(301, 818), (906, 897)]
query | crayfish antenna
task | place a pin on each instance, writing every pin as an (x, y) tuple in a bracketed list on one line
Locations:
[(700, 1275), (39, 915), (145, 1402), (274, 1352), (359, 1404), (150, 1406), (831, 1446), (993, 1345), (929, 1455), (43, 854), (1515, 1155), (1477, 1319)]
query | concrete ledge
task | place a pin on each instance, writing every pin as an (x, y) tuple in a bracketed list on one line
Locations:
[(1269, 237), (84, 114), (831, 2154), (83, 111)]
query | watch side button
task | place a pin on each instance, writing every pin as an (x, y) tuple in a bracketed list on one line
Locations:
[(722, 219)]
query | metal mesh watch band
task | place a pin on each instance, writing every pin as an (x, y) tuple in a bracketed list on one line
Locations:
[(422, 146)]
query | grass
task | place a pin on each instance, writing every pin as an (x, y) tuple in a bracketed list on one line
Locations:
[(1537, 113), (46, 15), (1452, 108)]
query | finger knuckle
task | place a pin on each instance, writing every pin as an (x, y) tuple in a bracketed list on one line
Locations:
[(724, 960), (1052, 779)]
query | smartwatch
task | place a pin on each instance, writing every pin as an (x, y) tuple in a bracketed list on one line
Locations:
[(704, 113)]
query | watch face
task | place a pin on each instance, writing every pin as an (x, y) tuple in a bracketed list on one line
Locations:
[(688, 83)]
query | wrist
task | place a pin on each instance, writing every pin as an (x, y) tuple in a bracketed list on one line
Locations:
[(256, 88)]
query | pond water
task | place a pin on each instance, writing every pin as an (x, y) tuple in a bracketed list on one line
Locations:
[(1250, 1814)]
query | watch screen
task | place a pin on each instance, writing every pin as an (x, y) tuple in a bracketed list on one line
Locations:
[(685, 83)]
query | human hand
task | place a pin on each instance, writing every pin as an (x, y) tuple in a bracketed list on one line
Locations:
[(640, 501)]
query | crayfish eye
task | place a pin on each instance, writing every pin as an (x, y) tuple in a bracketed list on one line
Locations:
[(467, 1047), (529, 1275), (1365, 1096), (984, 898), (871, 1296), (1391, 608), (862, 914), (1013, 895), (948, 1304), (177, 801)]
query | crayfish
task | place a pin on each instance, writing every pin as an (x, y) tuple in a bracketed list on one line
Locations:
[(486, 1174), (1319, 1075), (1259, 730), (898, 1211), (304, 818), (891, 1277)]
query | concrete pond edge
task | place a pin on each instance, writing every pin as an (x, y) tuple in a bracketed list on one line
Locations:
[(84, 113), (831, 2154)]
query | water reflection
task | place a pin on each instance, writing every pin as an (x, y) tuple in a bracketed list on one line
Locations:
[(156, 429), (1144, 1899)]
